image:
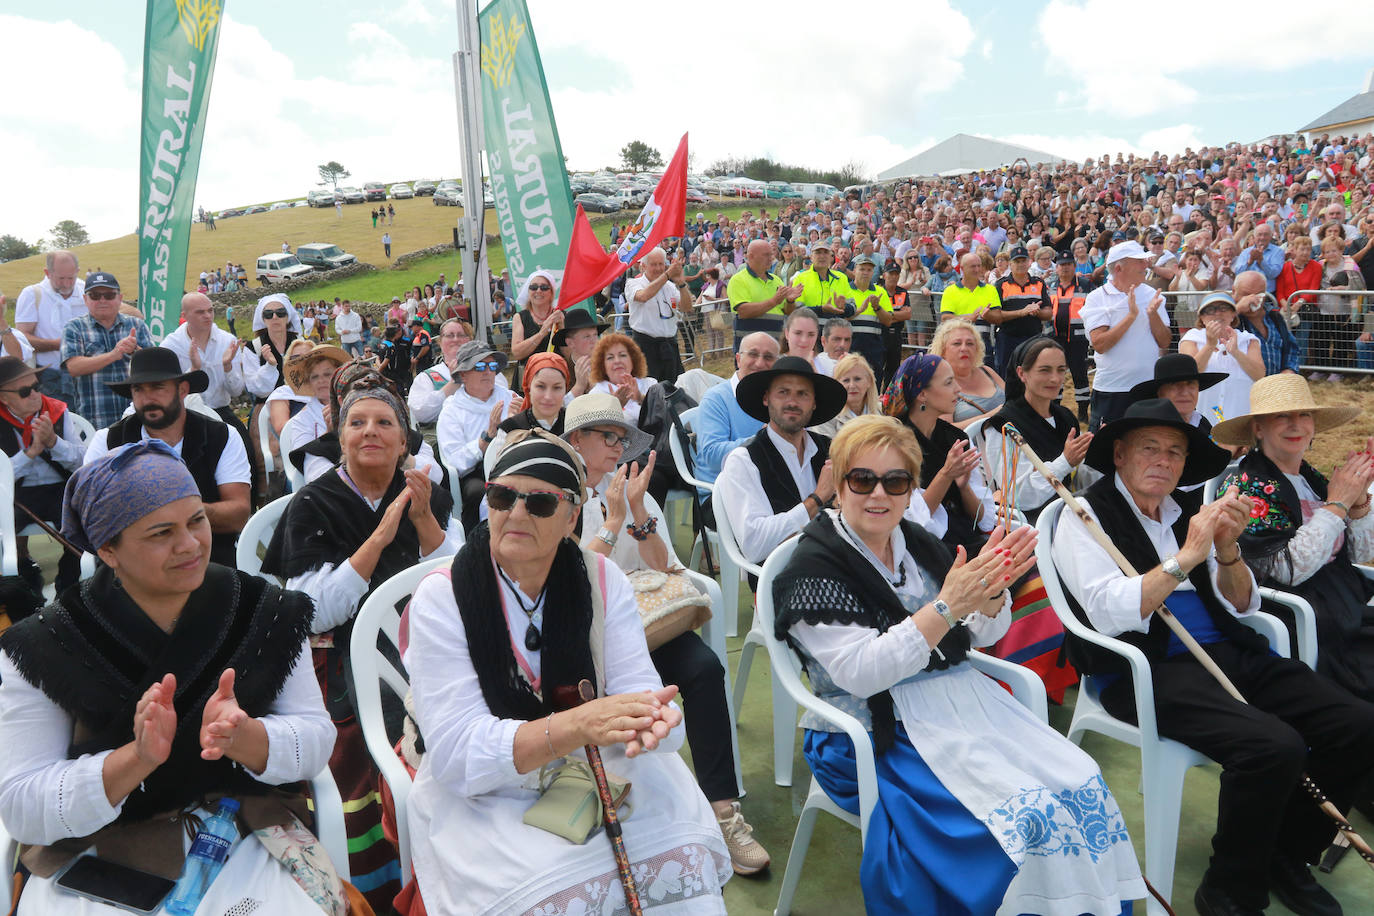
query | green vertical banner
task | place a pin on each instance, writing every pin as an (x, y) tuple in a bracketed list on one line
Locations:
[(529, 182), (179, 45)]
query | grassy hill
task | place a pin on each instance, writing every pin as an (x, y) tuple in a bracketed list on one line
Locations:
[(243, 239)]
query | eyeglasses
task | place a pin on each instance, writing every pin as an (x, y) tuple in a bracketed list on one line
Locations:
[(895, 483), (539, 287), (612, 437), (492, 365), (275, 313), (454, 336), (538, 503), (25, 391), (105, 296)]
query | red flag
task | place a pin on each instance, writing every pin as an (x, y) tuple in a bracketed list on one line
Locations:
[(589, 268)]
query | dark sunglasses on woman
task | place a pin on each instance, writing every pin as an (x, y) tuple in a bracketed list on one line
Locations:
[(862, 481), (539, 503), (275, 313)]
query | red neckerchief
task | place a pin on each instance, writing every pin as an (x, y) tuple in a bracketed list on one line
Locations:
[(51, 407)]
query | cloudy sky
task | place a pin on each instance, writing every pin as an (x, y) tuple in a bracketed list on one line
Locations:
[(369, 83)]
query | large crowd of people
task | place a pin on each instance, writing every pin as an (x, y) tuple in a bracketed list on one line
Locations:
[(1142, 324)]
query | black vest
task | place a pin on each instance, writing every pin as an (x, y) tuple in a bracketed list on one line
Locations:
[(203, 441), (774, 473), (1125, 531)]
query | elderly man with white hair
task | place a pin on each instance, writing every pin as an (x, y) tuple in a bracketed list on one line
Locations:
[(43, 310), (1262, 255), (1261, 316), (655, 297), (1128, 326)]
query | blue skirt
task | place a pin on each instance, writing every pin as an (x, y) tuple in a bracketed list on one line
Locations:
[(925, 853)]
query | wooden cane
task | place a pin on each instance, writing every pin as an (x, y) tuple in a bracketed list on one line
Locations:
[(566, 698), (1100, 537)]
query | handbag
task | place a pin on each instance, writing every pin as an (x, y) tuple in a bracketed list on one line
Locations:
[(568, 804), (669, 605)]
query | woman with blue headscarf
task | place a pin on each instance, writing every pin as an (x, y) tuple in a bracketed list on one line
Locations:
[(144, 694), (952, 484)]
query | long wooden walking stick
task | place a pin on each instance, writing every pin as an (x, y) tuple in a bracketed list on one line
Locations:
[(1009, 431), (566, 698)]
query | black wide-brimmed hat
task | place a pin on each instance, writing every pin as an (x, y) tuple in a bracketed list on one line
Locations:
[(12, 367), (1175, 367), (576, 319), (157, 364), (830, 394), (1205, 459)]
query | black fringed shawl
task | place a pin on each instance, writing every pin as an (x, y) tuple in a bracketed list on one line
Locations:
[(566, 657), (828, 581), (95, 653)]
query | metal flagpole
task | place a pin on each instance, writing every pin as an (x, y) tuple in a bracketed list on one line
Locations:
[(472, 224)]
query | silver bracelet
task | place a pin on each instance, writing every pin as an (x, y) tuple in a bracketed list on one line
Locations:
[(607, 536), (548, 740)]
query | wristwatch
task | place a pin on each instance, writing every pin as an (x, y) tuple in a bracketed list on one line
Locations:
[(943, 610), (1170, 566)]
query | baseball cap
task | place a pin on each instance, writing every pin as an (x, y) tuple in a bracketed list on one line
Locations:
[(1156, 236), (821, 243), (1018, 251), (101, 278), (1123, 250), (1065, 258), (866, 259)]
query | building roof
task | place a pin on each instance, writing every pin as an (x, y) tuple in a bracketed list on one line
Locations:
[(1359, 107), (966, 153)]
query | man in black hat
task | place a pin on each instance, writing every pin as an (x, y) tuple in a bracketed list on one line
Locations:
[(1268, 830), (1025, 304), (777, 481), (1067, 292), (213, 453), (575, 342), (44, 447)]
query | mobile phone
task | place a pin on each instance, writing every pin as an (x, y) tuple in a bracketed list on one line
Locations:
[(118, 885)]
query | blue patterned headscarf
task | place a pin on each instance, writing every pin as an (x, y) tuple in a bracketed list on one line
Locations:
[(911, 379), (109, 495)]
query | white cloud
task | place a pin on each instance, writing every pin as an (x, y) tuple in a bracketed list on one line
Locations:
[(1133, 60), (1077, 147)]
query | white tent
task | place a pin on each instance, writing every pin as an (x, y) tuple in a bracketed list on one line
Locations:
[(966, 153)]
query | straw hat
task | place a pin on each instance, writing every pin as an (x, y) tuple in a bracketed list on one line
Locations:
[(1275, 394), (597, 408), (298, 367)]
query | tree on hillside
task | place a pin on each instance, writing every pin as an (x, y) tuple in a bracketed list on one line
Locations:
[(637, 155), (12, 248), (331, 173), (69, 234)]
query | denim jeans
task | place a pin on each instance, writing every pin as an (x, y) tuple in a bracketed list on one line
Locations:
[(354, 349)]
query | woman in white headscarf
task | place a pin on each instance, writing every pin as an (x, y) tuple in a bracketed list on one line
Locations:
[(276, 323), (535, 321)]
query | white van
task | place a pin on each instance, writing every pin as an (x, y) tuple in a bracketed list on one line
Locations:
[(816, 192), (274, 268)]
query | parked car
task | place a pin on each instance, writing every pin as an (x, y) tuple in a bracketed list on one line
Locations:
[(423, 187), (781, 189), (448, 197), (816, 191), (353, 196), (232, 211), (275, 267), (448, 184), (374, 190), (281, 205), (631, 197), (597, 203), (258, 209), (320, 198), (323, 255), (697, 197), (401, 192), (300, 203)]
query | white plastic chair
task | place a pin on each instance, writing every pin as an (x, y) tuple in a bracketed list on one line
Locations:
[(1026, 687), (257, 534), (696, 382), (265, 437), (784, 707), (329, 821), (1163, 761), (295, 479), (729, 570), (370, 670)]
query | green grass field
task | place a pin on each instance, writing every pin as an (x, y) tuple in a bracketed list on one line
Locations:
[(243, 239)]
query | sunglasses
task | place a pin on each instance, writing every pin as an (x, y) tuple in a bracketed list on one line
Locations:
[(611, 437), (25, 391), (539, 503), (105, 296), (275, 313), (538, 287), (895, 483), (493, 365)]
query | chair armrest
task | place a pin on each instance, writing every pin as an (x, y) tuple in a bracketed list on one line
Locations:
[(713, 631), (1025, 685), (329, 820), (1305, 618), (1142, 681), (1271, 628)]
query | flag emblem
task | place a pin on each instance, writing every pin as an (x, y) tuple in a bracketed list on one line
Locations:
[(638, 232), (498, 55), (198, 19)]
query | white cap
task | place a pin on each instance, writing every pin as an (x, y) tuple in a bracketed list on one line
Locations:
[(1128, 249)]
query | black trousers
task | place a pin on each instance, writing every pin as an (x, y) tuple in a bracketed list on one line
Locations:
[(661, 356), (227, 414), (1076, 354), (471, 487), (1297, 721), (45, 501), (690, 664), (1106, 407)]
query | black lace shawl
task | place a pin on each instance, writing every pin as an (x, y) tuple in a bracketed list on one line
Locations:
[(828, 581)]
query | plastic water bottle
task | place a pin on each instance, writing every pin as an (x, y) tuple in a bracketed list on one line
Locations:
[(208, 853)]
